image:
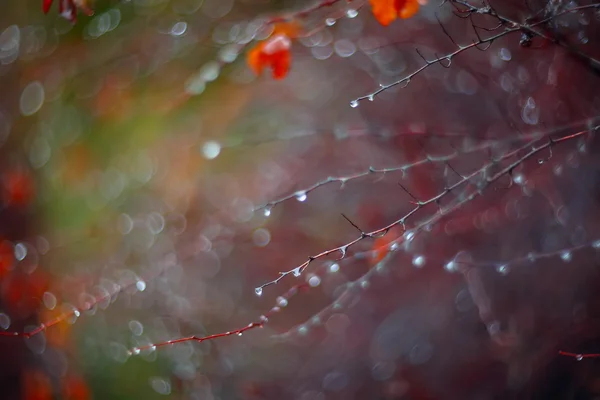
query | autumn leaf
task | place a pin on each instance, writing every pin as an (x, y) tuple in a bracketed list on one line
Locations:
[(273, 53), (386, 11)]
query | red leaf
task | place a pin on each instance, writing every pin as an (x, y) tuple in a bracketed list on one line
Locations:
[(274, 53), (46, 5), (386, 11)]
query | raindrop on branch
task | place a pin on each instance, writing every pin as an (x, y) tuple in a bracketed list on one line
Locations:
[(351, 13), (301, 196)]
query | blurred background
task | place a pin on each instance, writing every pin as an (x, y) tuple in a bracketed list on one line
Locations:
[(137, 150)]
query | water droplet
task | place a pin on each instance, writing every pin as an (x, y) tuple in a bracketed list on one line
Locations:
[(343, 251), (502, 269), (558, 169), (351, 13), (303, 330), (450, 266), (505, 54), (566, 256), (314, 281), (239, 333), (301, 196), (596, 244), (519, 179), (211, 149), (394, 246), (354, 103), (4, 321), (32, 98), (281, 301), (267, 212), (418, 261), (371, 97), (579, 357), (179, 28), (136, 327), (364, 284), (258, 291), (263, 318), (330, 21), (49, 300), (297, 272), (530, 113), (76, 313), (335, 267), (135, 351), (140, 285)]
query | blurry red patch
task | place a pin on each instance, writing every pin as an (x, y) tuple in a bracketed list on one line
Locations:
[(381, 246), (75, 388), (19, 188), (68, 8)]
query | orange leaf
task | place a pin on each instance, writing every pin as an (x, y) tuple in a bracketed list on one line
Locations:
[(386, 11), (274, 53), (407, 8), (289, 29)]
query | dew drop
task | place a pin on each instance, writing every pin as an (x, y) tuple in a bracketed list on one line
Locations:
[(566, 256), (502, 269), (343, 251), (301, 196), (558, 169), (351, 13), (258, 291), (579, 357), (267, 212), (314, 281), (211, 149), (519, 179), (239, 333), (505, 54), (596, 244), (335, 267), (4, 321), (371, 97), (140, 285), (296, 272), (418, 261), (281, 301), (135, 351), (354, 103), (330, 21), (450, 266), (303, 330)]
